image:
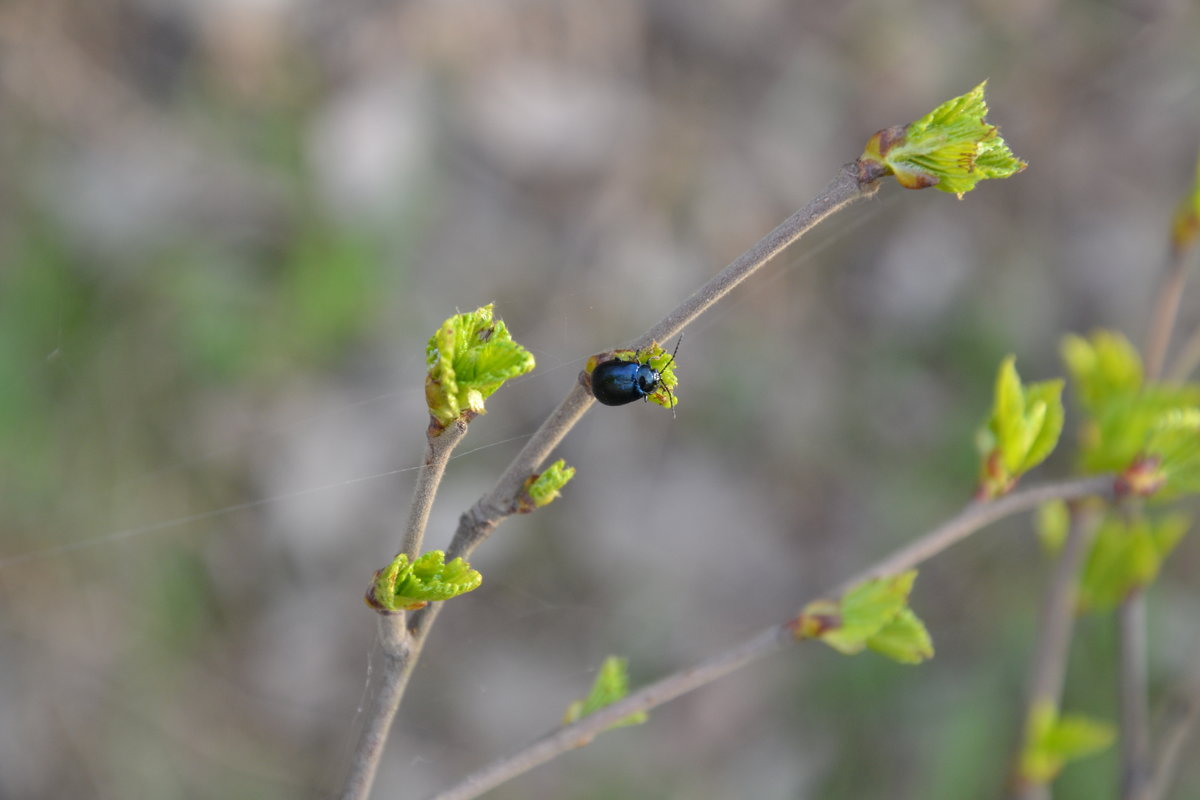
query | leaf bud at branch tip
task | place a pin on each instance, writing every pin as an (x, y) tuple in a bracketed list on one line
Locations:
[(542, 488), (951, 149), (469, 357)]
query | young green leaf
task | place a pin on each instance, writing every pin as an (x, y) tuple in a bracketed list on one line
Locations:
[(469, 358), (1126, 556), (1052, 740), (1174, 449), (611, 684), (542, 488), (404, 586), (951, 148), (1052, 521), (1103, 367), (1185, 225), (874, 614), (904, 639), (1147, 433), (1022, 431), (1130, 426), (1120, 430)]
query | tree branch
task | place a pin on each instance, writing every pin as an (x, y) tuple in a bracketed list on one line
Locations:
[(1133, 679), (397, 645), (1187, 359), (1049, 665), (490, 510), (976, 515), (440, 443), (971, 519), (1166, 309), (1133, 673), (381, 708), (1180, 719)]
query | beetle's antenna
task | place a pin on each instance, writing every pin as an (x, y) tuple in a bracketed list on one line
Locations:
[(671, 361)]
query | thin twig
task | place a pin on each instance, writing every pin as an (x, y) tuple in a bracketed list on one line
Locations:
[(974, 517), (1166, 309), (1133, 672), (582, 732), (1187, 359), (499, 503), (439, 444), (1132, 688), (477, 524), (1049, 665), (397, 646), (843, 190), (1049, 668), (380, 709), (1180, 719)]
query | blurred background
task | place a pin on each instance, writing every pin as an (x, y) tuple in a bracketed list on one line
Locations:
[(228, 228)]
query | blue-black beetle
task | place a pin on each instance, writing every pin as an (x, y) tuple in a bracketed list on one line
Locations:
[(616, 382)]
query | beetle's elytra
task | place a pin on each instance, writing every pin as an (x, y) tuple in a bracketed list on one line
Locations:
[(616, 382)]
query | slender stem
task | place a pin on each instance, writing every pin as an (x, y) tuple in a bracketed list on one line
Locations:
[(1189, 354), (972, 518), (770, 640), (1133, 672), (500, 503), (582, 732), (1133, 680), (381, 708), (490, 510), (843, 190), (1187, 359), (398, 647), (1166, 309), (1182, 715), (1049, 666), (401, 650), (439, 444)]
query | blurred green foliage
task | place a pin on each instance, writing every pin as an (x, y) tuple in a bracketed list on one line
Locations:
[(88, 347)]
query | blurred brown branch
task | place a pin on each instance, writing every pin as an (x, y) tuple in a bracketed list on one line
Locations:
[(501, 502), (971, 519)]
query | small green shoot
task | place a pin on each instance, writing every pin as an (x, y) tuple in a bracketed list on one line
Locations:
[(905, 639), (1173, 448), (951, 148), (1126, 557), (1128, 430), (542, 488), (1052, 520), (1103, 367), (1052, 740), (875, 615), (1023, 429), (404, 586), (1185, 225), (469, 358), (1147, 433), (611, 684)]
